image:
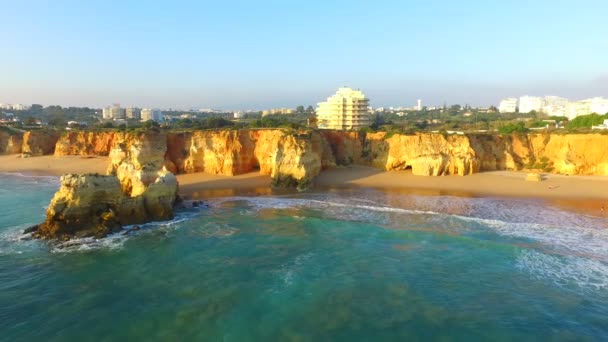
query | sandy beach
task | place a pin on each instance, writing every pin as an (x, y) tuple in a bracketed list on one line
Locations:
[(588, 193), (52, 166)]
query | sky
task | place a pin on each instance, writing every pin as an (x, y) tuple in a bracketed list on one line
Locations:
[(265, 54)]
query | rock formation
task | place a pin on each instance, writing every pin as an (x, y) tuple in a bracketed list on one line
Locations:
[(10, 142), (137, 189), (290, 158), (95, 205), (40, 142)]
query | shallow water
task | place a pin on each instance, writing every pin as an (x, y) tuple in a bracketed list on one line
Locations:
[(342, 265)]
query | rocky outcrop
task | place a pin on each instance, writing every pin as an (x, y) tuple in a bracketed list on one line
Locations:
[(10, 142), (95, 205), (137, 189), (39, 143)]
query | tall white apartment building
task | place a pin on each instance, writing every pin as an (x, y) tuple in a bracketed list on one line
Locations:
[(508, 105), (154, 114), (530, 103), (133, 113), (555, 106), (113, 112), (346, 109), (597, 105)]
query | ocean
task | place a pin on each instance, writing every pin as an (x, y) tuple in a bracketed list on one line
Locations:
[(335, 265)]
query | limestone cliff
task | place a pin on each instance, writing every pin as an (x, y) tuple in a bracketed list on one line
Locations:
[(290, 158), (85, 143), (10, 142), (295, 158), (425, 154), (38, 143), (571, 154)]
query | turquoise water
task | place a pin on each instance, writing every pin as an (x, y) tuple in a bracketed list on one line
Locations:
[(344, 265)]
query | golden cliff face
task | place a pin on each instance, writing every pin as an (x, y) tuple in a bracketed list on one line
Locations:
[(573, 154), (425, 154), (39, 143), (299, 156), (85, 143), (290, 158), (10, 143)]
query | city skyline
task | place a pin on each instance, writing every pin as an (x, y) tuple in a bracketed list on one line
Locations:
[(274, 55)]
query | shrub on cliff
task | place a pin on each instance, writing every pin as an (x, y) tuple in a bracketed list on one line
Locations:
[(586, 121), (510, 128)]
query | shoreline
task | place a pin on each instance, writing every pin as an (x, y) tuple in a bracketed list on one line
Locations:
[(586, 194)]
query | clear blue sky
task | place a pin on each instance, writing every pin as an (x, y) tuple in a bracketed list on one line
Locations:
[(256, 54)]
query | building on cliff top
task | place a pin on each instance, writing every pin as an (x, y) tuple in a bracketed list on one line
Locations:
[(154, 114), (508, 105), (277, 111), (346, 109)]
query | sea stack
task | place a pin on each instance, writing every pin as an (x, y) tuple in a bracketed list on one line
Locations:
[(137, 189), (94, 205)]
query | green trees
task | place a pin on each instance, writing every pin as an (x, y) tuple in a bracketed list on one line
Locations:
[(509, 128), (586, 121)]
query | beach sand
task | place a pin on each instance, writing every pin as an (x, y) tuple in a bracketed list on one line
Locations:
[(586, 193), (53, 166)]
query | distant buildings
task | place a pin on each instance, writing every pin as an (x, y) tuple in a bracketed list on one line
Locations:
[(116, 113), (528, 104), (508, 105), (133, 113), (17, 106), (597, 105), (148, 114), (347, 109), (555, 106), (277, 111), (419, 104), (113, 112)]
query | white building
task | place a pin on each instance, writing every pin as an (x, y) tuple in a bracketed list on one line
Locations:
[(346, 109), (508, 105), (419, 104), (238, 115), (113, 112), (578, 108), (106, 113), (555, 106), (133, 113), (154, 114), (530, 103), (597, 105)]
